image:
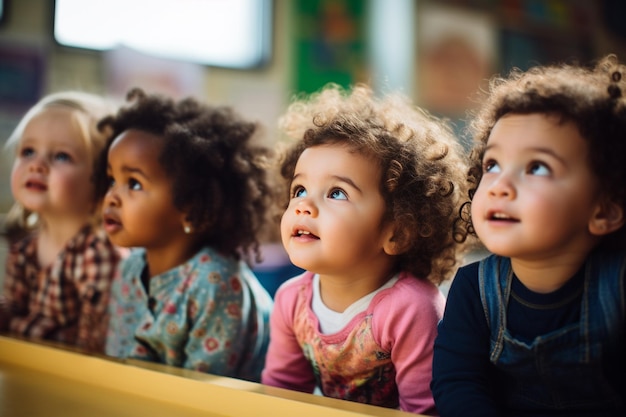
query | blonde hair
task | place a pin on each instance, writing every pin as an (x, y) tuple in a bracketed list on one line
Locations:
[(87, 110)]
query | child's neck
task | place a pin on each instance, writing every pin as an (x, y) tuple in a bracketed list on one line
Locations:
[(53, 236), (547, 275), (340, 292), (160, 260)]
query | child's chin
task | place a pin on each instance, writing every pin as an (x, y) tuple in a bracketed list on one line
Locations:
[(305, 264), (119, 241)]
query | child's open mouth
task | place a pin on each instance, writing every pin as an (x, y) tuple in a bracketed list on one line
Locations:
[(496, 216), (304, 234), (111, 224), (36, 185)]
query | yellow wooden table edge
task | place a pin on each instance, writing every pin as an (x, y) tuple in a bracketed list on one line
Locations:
[(185, 388)]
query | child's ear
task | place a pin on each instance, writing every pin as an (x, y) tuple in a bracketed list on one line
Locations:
[(394, 242), (186, 224), (609, 217)]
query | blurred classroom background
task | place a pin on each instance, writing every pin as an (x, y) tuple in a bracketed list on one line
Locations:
[(257, 54)]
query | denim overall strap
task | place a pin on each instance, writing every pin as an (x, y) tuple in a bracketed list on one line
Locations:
[(605, 283), (564, 369), (495, 276)]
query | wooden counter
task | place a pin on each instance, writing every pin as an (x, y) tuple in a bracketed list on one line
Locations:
[(38, 380)]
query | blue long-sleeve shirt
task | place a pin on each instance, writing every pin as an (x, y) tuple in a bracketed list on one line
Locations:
[(465, 383), (209, 314)]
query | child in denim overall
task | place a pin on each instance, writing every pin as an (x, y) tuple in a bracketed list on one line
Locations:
[(537, 328)]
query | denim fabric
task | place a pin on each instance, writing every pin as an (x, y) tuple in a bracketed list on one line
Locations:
[(561, 370)]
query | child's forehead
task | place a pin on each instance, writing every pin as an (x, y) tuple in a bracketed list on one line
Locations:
[(536, 131), (538, 121), (137, 147), (336, 150), (138, 138), (332, 160), (55, 115), (56, 126)]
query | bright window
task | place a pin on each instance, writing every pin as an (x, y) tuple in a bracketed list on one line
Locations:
[(223, 33)]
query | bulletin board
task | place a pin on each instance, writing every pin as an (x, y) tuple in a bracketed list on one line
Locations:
[(329, 43), (22, 82), (22, 76)]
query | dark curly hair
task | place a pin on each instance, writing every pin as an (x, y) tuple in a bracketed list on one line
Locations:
[(422, 165), (592, 98), (219, 176)]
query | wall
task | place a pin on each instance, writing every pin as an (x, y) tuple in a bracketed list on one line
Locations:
[(262, 94)]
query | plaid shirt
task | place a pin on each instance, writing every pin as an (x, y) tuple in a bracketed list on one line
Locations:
[(66, 301)]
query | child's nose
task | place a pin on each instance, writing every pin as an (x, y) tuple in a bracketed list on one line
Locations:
[(111, 198), (306, 207), (502, 187), (38, 164)]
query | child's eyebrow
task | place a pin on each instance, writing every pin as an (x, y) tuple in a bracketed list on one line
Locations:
[(339, 178), (347, 181), (130, 170), (537, 149), (551, 153)]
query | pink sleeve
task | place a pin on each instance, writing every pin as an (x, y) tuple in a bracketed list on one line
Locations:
[(406, 322), (285, 363)]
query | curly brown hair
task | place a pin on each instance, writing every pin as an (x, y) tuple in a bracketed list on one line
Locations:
[(592, 98), (219, 175), (422, 164)]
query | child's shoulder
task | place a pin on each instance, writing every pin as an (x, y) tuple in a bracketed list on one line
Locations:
[(96, 238), (417, 287), (208, 260), (470, 269), (410, 293), (409, 303), (23, 244), (465, 284), (295, 284), (22, 252)]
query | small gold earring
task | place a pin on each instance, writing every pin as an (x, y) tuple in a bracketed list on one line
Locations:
[(187, 229)]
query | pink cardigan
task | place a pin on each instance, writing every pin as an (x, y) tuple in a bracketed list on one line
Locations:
[(382, 357)]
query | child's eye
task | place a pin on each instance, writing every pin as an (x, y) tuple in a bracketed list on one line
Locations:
[(337, 194), (26, 152), (134, 185), (298, 191), (490, 165), (62, 157), (110, 182), (539, 168)]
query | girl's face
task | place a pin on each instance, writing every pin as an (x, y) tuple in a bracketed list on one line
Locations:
[(138, 207), (537, 197), (52, 171), (333, 224)]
